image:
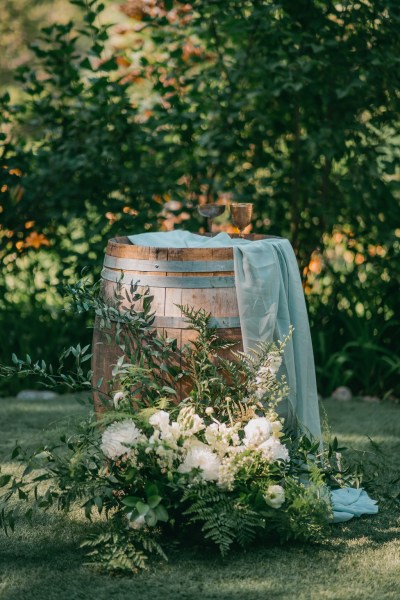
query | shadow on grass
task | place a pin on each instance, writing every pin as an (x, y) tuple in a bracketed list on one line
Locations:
[(44, 562)]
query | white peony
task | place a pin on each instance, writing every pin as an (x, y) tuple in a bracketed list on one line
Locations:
[(273, 450), (119, 438), (257, 431), (159, 420), (200, 456), (275, 496)]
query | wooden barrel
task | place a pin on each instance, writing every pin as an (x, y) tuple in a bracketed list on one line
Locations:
[(195, 277)]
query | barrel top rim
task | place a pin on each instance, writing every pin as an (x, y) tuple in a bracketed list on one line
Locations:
[(124, 241), (122, 247)]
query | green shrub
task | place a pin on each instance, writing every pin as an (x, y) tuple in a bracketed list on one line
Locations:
[(293, 105)]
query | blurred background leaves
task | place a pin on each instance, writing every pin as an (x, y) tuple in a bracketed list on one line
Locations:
[(123, 117)]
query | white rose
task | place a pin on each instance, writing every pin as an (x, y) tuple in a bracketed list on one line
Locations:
[(117, 397), (119, 438), (160, 420), (273, 450), (275, 496), (175, 431), (200, 456), (257, 431)]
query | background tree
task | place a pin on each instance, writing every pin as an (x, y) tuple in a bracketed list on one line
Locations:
[(293, 105)]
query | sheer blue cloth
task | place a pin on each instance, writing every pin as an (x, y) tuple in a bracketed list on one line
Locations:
[(270, 299)]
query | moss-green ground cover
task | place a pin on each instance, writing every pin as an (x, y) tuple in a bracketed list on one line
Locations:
[(360, 561)]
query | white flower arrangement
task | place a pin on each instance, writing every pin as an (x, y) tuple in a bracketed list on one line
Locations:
[(220, 462), (200, 456), (120, 438), (187, 446), (257, 431)]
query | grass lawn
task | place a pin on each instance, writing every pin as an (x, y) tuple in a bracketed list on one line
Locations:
[(360, 561)]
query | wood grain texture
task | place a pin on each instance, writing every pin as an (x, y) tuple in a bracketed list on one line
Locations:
[(219, 302)]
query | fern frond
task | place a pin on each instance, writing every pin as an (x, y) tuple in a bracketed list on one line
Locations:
[(224, 520), (242, 412), (122, 551)]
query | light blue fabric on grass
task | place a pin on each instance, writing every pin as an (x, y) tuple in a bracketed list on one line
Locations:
[(270, 299), (351, 502)]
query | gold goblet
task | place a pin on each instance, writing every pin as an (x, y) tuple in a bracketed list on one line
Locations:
[(241, 213)]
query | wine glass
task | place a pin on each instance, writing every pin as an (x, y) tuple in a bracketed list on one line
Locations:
[(241, 213), (211, 211)]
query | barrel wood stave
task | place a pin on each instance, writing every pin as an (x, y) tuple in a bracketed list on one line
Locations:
[(220, 301)]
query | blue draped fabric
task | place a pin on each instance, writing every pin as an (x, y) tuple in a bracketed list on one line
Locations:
[(351, 502), (270, 299)]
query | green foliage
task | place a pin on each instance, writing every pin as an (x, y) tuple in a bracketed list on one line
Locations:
[(134, 478), (77, 379), (359, 352), (353, 306), (77, 125), (228, 382), (291, 104), (280, 104), (121, 551), (72, 158), (224, 520), (20, 25), (379, 478), (145, 365), (203, 364), (306, 514)]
